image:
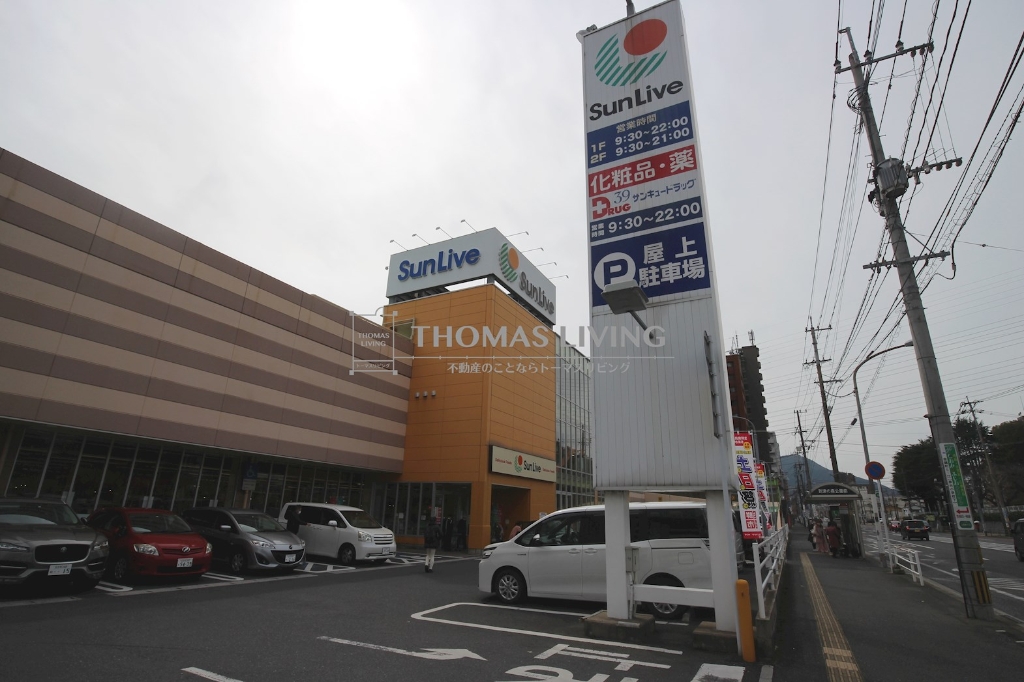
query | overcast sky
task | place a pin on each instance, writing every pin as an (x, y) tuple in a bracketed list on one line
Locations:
[(302, 137)]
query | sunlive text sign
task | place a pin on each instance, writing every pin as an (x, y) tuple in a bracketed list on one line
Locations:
[(514, 463), (487, 253)]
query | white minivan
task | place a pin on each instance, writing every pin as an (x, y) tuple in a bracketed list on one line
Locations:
[(347, 533), (563, 555)]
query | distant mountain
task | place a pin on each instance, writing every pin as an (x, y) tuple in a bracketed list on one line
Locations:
[(819, 474)]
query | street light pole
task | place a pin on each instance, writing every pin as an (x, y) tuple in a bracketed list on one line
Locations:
[(864, 442)]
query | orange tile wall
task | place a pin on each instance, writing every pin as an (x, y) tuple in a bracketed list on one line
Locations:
[(448, 435)]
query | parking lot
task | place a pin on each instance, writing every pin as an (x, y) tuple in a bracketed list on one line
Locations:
[(328, 622)]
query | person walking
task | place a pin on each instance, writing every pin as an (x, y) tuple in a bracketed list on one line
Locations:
[(294, 519), (832, 535), (460, 535), (431, 540), (820, 543)]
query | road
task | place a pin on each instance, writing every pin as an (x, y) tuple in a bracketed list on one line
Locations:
[(368, 623), (938, 561)]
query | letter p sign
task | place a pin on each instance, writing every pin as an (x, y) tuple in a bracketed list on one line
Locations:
[(615, 267)]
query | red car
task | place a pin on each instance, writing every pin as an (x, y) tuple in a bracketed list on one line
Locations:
[(151, 542)]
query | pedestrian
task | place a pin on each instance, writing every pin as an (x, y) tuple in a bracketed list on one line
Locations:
[(293, 515), (833, 535), (431, 540), (820, 543)]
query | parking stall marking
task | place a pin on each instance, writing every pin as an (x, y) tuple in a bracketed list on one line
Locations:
[(623, 661), (710, 672), (221, 576), (112, 587), (429, 654), (425, 616), (206, 674), (206, 586)]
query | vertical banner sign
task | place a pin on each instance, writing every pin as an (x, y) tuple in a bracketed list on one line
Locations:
[(748, 493), (955, 483), (647, 223), (762, 495)]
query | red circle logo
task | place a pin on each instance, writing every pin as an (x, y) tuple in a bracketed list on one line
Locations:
[(645, 36), (520, 460)]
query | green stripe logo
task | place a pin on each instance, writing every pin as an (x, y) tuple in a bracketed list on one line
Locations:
[(508, 260), (611, 68)]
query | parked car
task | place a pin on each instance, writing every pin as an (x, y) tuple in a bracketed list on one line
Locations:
[(152, 542), (348, 533), (247, 539), (894, 526), (563, 554), (915, 528), (44, 539), (1018, 539)]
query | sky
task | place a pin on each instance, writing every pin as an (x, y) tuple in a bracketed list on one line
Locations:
[(302, 138)]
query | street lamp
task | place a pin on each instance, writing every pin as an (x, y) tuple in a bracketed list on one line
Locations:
[(399, 245), (864, 440), (626, 297), (443, 230)]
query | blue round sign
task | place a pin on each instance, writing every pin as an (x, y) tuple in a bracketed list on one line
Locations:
[(874, 470)]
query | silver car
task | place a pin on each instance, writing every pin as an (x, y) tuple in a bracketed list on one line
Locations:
[(45, 539), (244, 538)]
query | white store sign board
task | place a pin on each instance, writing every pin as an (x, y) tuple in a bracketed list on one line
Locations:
[(515, 463), (648, 223), (472, 256)]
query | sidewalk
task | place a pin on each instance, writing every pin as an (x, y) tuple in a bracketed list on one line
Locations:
[(849, 619)]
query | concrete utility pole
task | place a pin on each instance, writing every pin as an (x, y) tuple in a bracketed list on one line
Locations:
[(807, 467), (987, 454), (824, 401), (891, 181)]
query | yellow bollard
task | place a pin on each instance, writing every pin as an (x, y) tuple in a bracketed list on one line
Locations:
[(745, 621)]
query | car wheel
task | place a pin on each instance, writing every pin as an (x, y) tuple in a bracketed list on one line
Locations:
[(661, 610), (510, 586), (346, 555), (1020, 554), (119, 569), (237, 561)]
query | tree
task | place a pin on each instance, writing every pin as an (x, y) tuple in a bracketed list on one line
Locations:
[(1008, 459), (915, 472)]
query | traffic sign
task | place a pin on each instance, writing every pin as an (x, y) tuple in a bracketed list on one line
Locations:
[(874, 470)]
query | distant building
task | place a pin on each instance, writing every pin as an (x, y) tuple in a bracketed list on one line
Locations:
[(574, 485), (746, 395)]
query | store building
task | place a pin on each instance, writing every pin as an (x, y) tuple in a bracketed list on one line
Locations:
[(140, 367)]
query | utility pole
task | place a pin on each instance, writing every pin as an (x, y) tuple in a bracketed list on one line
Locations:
[(824, 401), (891, 182), (807, 467), (987, 454)]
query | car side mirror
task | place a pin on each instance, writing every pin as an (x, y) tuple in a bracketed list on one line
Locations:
[(332, 523), (535, 540), (225, 527)]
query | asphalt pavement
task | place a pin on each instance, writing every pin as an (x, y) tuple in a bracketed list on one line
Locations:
[(370, 623)]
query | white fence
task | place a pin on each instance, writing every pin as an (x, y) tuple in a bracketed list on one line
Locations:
[(769, 558), (906, 558)]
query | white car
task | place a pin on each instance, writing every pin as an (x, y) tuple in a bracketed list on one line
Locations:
[(563, 555), (347, 533)]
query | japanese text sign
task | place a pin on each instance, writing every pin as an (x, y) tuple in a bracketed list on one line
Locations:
[(750, 518)]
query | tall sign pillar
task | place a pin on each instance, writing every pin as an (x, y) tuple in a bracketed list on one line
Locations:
[(661, 406)]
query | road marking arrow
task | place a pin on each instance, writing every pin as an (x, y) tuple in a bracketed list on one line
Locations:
[(430, 654)]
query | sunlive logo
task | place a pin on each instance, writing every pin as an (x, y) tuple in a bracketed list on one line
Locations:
[(508, 260), (641, 41)]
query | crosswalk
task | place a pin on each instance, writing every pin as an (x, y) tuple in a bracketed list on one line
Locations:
[(993, 546)]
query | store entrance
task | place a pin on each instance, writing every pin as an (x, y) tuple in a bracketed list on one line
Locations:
[(509, 507)]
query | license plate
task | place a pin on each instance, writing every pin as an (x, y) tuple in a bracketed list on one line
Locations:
[(387, 550), (59, 569), (289, 558), (185, 563)]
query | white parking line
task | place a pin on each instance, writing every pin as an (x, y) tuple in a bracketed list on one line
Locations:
[(29, 602), (206, 674), (424, 616), (718, 673), (112, 587), (206, 586), (221, 576)]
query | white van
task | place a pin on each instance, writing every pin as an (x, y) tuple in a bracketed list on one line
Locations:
[(563, 555), (348, 533)]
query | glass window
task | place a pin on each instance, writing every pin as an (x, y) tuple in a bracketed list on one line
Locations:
[(255, 523), (305, 492), (291, 484), (208, 478), (188, 481), (142, 476), (672, 524), (166, 478), (61, 468), (592, 529), (258, 496), (560, 531), (413, 513), (319, 484), (28, 469), (360, 519), (115, 480), (277, 486), (328, 515), (33, 513), (90, 472), (226, 487), (156, 522)]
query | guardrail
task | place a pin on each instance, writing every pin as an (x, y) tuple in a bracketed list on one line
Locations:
[(907, 559), (773, 551)]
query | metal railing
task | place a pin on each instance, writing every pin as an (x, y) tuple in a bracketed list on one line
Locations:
[(907, 559), (769, 558)]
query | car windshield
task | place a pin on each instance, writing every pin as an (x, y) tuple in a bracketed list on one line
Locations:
[(361, 519), (254, 523), (32, 513), (158, 523)]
